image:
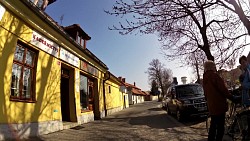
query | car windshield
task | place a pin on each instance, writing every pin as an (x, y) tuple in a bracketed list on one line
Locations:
[(189, 91)]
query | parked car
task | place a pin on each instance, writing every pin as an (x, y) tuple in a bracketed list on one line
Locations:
[(186, 100)]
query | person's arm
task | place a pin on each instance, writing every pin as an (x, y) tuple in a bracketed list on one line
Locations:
[(204, 84), (246, 82)]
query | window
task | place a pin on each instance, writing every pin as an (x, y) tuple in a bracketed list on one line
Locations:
[(189, 91), (42, 4), (84, 96), (109, 89), (23, 74), (82, 42), (79, 40), (86, 93)]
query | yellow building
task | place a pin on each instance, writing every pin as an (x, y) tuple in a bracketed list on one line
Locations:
[(48, 79), (116, 97)]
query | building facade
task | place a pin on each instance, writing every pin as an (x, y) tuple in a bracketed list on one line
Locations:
[(135, 94), (115, 98), (48, 78)]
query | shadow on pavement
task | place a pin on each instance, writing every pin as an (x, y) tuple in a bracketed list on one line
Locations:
[(160, 121), (155, 109)]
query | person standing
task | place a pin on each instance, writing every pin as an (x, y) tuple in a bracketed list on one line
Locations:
[(216, 94), (245, 85), (245, 66)]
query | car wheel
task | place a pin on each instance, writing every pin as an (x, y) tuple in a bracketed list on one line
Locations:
[(178, 115)]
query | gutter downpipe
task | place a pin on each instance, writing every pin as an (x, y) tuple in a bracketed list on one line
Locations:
[(106, 77)]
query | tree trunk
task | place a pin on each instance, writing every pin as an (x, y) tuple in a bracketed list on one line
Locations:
[(206, 46), (206, 49)]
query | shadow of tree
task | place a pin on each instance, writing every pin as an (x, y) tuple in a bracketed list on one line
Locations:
[(16, 114)]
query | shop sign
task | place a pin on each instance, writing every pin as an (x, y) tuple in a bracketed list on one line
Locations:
[(45, 44), (2, 10), (88, 68), (69, 57)]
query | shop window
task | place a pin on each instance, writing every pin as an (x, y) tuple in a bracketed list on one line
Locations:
[(23, 74), (86, 93), (84, 96)]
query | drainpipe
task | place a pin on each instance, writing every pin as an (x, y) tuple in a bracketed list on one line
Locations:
[(106, 77)]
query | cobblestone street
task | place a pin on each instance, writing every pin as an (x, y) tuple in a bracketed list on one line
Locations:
[(146, 121)]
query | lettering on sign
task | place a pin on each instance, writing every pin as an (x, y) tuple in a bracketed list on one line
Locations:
[(88, 68), (45, 44), (69, 57)]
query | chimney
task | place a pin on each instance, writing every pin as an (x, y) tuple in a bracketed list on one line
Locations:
[(134, 83), (120, 78), (123, 80)]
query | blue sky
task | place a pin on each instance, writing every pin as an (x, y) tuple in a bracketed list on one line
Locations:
[(125, 55)]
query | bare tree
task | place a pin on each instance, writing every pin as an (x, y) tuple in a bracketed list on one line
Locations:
[(196, 61), (154, 89), (167, 78), (159, 74), (184, 26), (241, 8)]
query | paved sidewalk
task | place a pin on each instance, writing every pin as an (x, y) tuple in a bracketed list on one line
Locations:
[(142, 122)]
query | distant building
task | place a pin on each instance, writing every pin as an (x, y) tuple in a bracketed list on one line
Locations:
[(135, 94)]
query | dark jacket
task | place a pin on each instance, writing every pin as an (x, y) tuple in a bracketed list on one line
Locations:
[(216, 93)]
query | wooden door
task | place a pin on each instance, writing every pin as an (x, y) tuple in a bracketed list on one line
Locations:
[(65, 108)]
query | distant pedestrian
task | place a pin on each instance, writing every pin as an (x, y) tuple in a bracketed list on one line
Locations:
[(216, 94)]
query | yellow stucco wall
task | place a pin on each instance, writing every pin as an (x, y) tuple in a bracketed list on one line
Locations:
[(113, 99), (100, 91), (47, 106), (48, 73)]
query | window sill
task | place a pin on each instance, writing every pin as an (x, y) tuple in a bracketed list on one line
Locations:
[(22, 100), (86, 111)]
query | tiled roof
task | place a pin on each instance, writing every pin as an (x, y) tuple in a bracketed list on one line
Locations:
[(78, 28), (135, 90), (139, 92), (130, 85)]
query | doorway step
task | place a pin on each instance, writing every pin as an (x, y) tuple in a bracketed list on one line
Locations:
[(68, 125)]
